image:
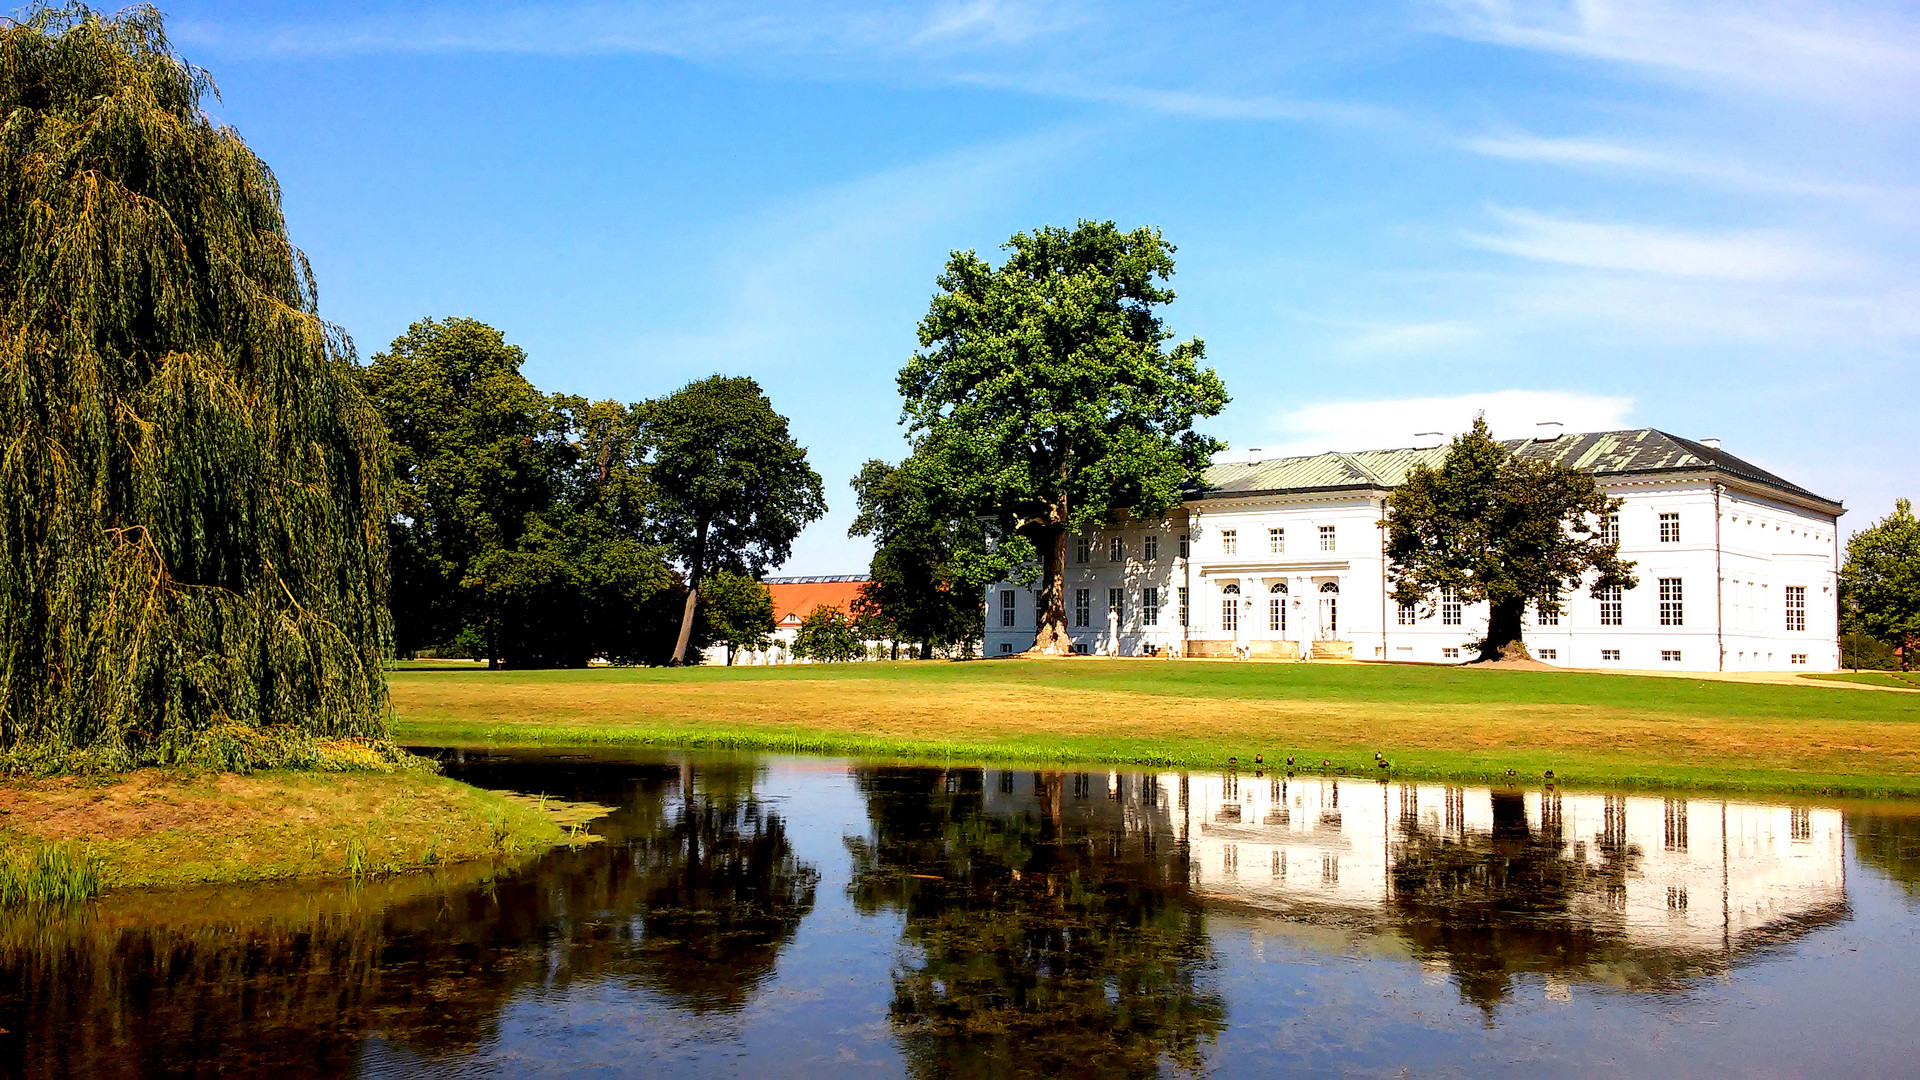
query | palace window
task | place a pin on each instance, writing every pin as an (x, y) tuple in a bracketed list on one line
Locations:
[(1796, 607), (1609, 654), (1450, 608), (1006, 608), (1083, 607), (1183, 545), (1006, 647), (1797, 658), (1610, 529), (1326, 538), (1612, 608), (1230, 607), (1277, 608), (1150, 606), (1116, 549), (1150, 547), (1450, 654), (1330, 609), (1180, 594), (1229, 541), (1407, 615), (1672, 610), (1547, 618), (1669, 528), (1082, 548), (1549, 654), (1117, 603), (1669, 656), (1277, 541)]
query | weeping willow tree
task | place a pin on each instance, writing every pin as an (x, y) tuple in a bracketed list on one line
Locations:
[(192, 542)]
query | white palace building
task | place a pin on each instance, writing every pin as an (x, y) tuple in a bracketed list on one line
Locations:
[(1285, 559)]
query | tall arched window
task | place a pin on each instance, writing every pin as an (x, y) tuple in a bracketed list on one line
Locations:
[(1230, 607), (1329, 610), (1277, 608)]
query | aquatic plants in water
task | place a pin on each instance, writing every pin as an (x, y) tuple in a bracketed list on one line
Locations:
[(49, 874)]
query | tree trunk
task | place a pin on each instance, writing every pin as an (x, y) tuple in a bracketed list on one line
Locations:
[(1051, 637), (686, 626), (926, 650), (1503, 633)]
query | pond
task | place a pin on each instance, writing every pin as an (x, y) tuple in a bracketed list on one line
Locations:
[(769, 916)]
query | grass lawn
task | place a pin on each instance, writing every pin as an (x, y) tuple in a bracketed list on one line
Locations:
[(1902, 680), (1430, 722), (162, 827)]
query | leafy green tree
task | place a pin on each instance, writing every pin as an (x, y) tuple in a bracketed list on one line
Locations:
[(734, 488), (1044, 399), (476, 451), (1880, 582), (570, 590), (521, 518), (826, 635), (191, 534), (737, 611), (1493, 526), (926, 583)]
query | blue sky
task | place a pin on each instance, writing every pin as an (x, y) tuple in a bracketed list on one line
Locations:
[(1692, 216)]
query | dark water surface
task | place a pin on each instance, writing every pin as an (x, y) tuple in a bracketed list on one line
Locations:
[(768, 917)]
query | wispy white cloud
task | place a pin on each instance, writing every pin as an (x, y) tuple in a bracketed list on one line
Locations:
[(799, 279), (1902, 203), (1423, 338), (708, 29), (1065, 50), (1201, 104), (1372, 425), (997, 21), (1746, 255), (1833, 52)]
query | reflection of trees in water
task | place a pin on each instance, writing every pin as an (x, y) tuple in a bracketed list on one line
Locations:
[(1036, 947), (692, 897), (1889, 843), (1513, 901)]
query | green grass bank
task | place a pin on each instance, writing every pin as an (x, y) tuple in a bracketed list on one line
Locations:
[(64, 838), (1450, 723)]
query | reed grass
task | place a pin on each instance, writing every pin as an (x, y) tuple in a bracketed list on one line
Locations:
[(50, 874)]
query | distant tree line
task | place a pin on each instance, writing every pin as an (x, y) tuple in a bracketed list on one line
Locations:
[(537, 529)]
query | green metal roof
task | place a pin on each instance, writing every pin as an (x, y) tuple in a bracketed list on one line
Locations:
[(1603, 453)]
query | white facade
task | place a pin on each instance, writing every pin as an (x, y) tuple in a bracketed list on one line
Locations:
[(1737, 571)]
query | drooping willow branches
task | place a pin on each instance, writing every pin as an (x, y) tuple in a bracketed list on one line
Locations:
[(192, 538)]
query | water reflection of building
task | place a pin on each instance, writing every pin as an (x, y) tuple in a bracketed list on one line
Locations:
[(1631, 890), (1682, 879)]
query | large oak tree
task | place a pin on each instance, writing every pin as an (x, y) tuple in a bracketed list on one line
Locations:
[(1045, 397), (1489, 525)]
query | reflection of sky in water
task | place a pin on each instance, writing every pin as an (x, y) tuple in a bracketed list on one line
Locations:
[(1311, 979)]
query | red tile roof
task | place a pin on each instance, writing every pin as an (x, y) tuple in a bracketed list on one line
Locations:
[(794, 601)]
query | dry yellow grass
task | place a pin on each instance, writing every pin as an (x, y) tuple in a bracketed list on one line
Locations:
[(1442, 721)]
